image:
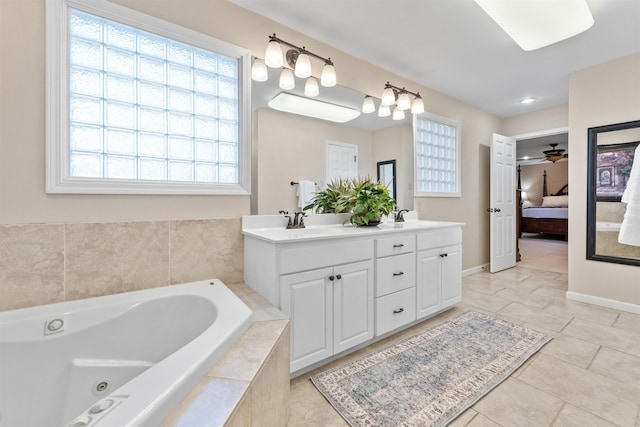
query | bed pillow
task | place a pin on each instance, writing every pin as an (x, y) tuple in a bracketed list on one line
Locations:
[(555, 201)]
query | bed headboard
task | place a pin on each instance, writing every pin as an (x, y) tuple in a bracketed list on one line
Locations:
[(562, 192)]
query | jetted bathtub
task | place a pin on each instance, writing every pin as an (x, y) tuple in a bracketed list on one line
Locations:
[(120, 360)]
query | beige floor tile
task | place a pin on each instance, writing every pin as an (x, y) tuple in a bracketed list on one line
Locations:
[(535, 316), (572, 350), (463, 419), (628, 321), (548, 291), (614, 338), (619, 366), (570, 416), (526, 298), (309, 408), (482, 421), (612, 400), (483, 287), (482, 301), (586, 312), (514, 403)]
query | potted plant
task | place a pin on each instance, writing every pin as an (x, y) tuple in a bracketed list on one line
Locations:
[(368, 202), (326, 201)]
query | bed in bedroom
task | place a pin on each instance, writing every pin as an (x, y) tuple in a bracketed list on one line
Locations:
[(551, 217)]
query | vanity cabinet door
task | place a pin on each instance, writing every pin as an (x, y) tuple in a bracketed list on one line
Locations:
[(428, 283), (308, 300), (352, 305), (451, 275)]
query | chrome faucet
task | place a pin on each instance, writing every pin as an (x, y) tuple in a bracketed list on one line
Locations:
[(400, 215)]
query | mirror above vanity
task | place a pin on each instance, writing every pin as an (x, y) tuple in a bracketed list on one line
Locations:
[(290, 147), (613, 193)]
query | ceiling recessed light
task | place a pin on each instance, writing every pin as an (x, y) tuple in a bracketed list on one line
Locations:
[(533, 24), (528, 100), (312, 108)]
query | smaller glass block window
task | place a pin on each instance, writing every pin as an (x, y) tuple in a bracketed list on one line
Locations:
[(437, 144), (145, 107)]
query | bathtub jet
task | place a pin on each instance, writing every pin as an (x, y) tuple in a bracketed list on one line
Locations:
[(119, 360)]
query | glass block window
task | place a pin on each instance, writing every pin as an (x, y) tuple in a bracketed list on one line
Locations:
[(437, 146), (145, 108)]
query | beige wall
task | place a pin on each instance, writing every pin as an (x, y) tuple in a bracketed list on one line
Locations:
[(396, 143), (551, 118), (604, 94), (532, 177)]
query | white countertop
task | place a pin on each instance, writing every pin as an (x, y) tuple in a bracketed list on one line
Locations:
[(280, 234)]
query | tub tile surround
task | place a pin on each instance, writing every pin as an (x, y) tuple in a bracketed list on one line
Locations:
[(31, 265), (250, 385), (49, 263)]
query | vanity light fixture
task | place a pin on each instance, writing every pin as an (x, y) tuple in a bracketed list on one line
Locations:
[(395, 95), (310, 107), (533, 24), (368, 106), (299, 60)]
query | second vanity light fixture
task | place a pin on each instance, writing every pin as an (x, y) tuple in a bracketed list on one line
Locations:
[(394, 95), (299, 59)]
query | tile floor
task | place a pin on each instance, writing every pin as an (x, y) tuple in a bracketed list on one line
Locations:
[(587, 376)]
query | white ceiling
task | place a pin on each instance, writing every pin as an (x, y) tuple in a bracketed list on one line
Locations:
[(452, 46)]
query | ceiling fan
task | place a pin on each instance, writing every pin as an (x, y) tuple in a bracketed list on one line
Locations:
[(552, 155)]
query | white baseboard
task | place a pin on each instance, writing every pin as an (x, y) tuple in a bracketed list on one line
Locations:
[(604, 302), (474, 270)]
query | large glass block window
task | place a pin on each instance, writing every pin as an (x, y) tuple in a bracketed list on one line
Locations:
[(437, 146), (147, 108)]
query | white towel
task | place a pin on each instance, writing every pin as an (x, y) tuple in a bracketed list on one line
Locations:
[(630, 228), (306, 191)]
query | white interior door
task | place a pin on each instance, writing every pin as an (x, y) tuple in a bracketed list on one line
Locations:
[(342, 160), (502, 210)]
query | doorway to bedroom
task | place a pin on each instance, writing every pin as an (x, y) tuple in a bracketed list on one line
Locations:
[(542, 181)]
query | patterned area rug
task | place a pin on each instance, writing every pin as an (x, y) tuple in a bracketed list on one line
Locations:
[(430, 378)]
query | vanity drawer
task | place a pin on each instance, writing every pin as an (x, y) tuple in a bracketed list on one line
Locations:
[(395, 273), (394, 245), (439, 238), (395, 310)]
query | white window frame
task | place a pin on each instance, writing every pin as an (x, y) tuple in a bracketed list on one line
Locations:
[(58, 179), (458, 183)]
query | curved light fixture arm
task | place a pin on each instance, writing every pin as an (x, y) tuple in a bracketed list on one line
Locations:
[(300, 49)]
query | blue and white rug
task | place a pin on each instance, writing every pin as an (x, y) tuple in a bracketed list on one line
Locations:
[(430, 378)]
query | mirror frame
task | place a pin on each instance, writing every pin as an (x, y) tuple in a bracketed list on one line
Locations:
[(393, 181), (592, 154)]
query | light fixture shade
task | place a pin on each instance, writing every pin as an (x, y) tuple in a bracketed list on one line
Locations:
[(312, 108), (328, 77), (533, 24), (287, 81), (311, 88), (404, 102), (384, 111), (303, 66), (417, 107), (368, 106), (388, 96), (398, 114), (273, 55), (259, 71)]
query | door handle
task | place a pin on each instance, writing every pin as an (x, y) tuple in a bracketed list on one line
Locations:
[(400, 310), (398, 274), (331, 278), (496, 210), (398, 245), (490, 210), (339, 276)]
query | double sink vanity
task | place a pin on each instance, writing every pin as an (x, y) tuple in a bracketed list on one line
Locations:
[(345, 286)]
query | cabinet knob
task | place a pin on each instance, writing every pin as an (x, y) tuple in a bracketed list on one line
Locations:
[(398, 274), (331, 277), (399, 245), (399, 310), (339, 276)]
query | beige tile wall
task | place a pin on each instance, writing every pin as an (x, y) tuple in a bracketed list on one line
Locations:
[(48, 263)]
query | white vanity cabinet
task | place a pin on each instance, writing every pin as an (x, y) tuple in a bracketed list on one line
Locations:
[(439, 270), (343, 286), (331, 310), (395, 281)]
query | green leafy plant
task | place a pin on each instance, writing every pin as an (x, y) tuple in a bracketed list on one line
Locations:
[(326, 201), (368, 202)]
